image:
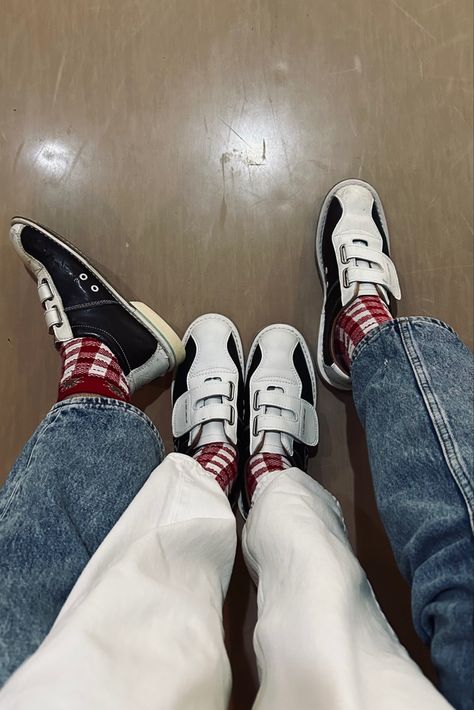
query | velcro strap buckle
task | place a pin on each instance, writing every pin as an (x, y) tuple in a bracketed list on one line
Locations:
[(52, 317), (187, 414), (44, 292), (383, 271), (298, 418)]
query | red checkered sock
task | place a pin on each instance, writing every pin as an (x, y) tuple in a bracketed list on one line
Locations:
[(221, 460), (354, 322), (90, 367), (261, 464)]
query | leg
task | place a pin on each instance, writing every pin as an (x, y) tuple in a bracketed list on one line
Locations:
[(321, 639), (418, 417), (91, 455), (146, 614), (72, 482), (142, 628), (412, 382)]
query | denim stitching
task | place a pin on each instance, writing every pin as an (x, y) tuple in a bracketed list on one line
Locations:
[(438, 419), (20, 479), (396, 323)]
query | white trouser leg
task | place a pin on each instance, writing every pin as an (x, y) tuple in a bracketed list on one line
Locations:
[(321, 640), (142, 628)]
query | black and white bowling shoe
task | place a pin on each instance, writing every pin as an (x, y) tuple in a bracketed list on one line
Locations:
[(353, 259), (280, 399), (208, 388), (78, 301)]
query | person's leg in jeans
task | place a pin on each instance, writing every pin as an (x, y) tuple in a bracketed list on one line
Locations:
[(321, 640), (412, 383), (142, 627), (91, 454)]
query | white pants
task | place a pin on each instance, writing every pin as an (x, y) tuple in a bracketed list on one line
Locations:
[(142, 627)]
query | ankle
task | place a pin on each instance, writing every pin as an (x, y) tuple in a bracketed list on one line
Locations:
[(219, 459), (354, 323), (260, 465), (89, 368)]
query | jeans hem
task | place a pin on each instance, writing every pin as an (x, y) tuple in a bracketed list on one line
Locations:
[(108, 403), (394, 325)]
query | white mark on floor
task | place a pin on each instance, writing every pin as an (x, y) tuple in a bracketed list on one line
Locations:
[(412, 19), (424, 270), (17, 155), (435, 7), (361, 165), (462, 37), (59, 77), (356, 67), (467, 223)]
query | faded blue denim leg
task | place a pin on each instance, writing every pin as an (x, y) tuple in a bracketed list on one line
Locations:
[(73, 480), (413, 385)]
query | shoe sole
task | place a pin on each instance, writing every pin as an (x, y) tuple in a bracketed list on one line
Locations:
[(164, 334), (339, 384)]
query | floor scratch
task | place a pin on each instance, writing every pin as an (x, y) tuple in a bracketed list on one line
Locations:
[(424, 270), (234, 131), (76, 159), (412, 19), (463, 36), (59, 77), (468, 224), (438, 4), (17, 155)]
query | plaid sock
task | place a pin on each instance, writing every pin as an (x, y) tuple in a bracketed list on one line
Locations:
[(261, 464), (221, 460), (90, 367), (354, 322)]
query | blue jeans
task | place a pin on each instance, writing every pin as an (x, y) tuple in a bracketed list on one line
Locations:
[(73, 480), (410, 390)]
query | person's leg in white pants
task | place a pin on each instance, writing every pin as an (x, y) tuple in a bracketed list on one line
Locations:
[(321, 639), (142, 627)]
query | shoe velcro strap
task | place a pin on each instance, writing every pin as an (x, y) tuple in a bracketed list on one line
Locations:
[(352, 272), (44, 292), (274, 398), (212, 388), (186, 417), (385, 276), (52, 317), (358, 251), (302, 425)]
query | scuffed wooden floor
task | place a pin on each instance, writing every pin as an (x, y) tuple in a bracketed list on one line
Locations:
[(187, 145)]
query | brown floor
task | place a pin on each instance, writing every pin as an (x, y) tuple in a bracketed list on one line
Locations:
[(187, 146)]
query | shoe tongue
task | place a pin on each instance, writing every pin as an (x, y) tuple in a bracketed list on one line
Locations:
[(211, 432), (272, 442)]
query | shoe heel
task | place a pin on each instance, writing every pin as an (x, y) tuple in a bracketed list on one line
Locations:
[(165, 331)]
